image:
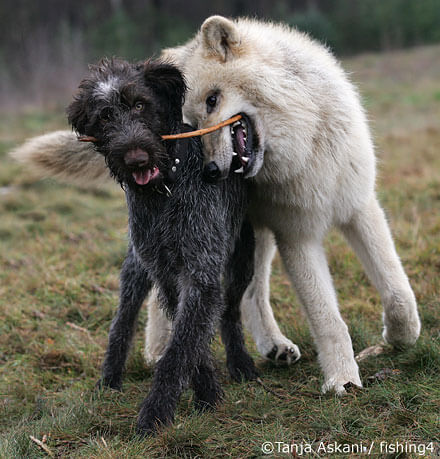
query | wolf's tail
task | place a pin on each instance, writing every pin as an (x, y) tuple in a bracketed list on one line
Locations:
[(59, 154)]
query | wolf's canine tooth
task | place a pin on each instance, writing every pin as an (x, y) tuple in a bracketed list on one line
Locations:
[(239, 171)]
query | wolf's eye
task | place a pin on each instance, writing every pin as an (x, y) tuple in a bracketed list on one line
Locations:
[(139, 106), (211, 102)]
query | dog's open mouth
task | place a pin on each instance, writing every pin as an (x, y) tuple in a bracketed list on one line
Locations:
[(144, 175), (243, 143)]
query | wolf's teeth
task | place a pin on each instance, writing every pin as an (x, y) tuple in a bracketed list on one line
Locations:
[(239, 171), (234, 154), (237, 123), (245, 159)]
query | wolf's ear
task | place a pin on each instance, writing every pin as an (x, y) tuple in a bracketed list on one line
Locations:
[(220, 37), (176, 55), (166, 79)]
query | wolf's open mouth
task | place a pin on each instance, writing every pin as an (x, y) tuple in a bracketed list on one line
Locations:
[(143, 176), (243, 139)]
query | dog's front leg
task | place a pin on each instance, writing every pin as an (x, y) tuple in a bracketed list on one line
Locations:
[(134, 287), (194, 325), (237, 276)]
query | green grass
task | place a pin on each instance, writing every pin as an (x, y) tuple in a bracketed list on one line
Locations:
[(60, 254)]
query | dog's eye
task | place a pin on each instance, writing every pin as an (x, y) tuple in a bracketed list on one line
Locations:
[(211, 102), (104, 116), (139, 106)]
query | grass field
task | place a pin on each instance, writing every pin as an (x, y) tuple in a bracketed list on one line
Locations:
[(61, 250)]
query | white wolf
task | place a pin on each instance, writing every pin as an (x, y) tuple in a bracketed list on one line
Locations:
[(305, 144)]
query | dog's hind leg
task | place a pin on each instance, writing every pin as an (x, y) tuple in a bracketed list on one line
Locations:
[(256, 310), (207, 389), (370, 237), (134, 287), (238, 274)]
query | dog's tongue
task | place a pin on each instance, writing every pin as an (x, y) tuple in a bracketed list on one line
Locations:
[(142, 177)]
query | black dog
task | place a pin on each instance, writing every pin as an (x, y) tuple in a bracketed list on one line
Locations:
[(187, 236)]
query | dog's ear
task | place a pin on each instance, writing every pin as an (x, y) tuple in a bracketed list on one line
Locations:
[(77, 113), (220, 37), (167, 80)]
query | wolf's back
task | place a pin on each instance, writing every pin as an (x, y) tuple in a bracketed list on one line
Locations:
[(59, 154)]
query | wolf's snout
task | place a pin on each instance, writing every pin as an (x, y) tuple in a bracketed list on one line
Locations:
[(136, 157), (211, 172)]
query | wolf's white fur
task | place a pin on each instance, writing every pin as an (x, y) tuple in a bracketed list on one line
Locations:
[(59, 154), (318, 171)]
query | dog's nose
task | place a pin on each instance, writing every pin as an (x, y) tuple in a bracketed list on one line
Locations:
[(136, 157), (211, 172)]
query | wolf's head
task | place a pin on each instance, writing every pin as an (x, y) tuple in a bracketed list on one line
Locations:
[(126, 108), (218, 66)]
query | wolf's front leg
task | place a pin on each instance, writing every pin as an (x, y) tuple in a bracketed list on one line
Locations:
[(256, 310), (307, 267), (197, 315), (134, 287)]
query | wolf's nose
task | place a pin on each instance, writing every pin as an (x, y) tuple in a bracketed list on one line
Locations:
[(136, 157), (211, 172)]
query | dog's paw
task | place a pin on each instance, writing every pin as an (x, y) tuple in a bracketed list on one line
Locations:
[(283, 350), (207, 390), (208, 399), (154, 414), (109, 383), (241, 367)]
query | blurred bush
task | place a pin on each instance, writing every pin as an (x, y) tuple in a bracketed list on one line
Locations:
[(45, 44)]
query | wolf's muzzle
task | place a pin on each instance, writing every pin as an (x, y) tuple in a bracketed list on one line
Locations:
[(211, 172)]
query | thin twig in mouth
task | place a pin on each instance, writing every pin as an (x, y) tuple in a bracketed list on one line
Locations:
[(182, 135)]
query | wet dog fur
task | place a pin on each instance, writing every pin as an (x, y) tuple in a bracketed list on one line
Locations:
[(187, 236)]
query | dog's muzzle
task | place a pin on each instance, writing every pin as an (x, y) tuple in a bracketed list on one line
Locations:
[(136, 158)]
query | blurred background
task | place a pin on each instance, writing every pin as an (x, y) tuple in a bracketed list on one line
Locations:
[(46, 44)]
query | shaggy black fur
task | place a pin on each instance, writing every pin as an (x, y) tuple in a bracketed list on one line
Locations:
[(187, 236)]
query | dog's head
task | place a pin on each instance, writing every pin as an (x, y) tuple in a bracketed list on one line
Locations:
[(221, 84), (126, 108)]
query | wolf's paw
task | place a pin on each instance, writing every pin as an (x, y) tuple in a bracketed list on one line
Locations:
[(241, 367), (281, 349), (402, 333), (401, 320), (339, 385)]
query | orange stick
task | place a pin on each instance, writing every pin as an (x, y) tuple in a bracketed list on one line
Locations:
[(182, 135), (204, 131)]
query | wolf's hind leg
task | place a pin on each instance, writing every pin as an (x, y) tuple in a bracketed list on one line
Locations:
[(370, 237), (256, 310), (157, 330)]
